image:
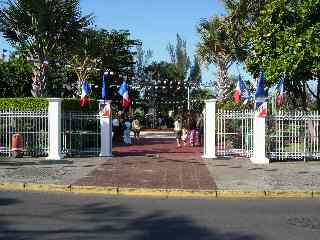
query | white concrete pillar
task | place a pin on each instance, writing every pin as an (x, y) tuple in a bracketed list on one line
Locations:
[(105, 128), (54, 129), (210, 129), (259, 141)]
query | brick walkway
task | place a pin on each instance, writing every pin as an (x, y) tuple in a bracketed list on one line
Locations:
[(156, 163)]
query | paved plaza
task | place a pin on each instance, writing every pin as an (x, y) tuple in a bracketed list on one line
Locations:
[(158, 164)]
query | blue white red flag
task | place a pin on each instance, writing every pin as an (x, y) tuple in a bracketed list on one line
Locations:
[(84, 100), (104, 91), (240, 90), (123, 91), (261, 104), (279, 92)]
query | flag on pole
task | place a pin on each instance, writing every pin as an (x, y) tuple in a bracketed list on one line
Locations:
[(84, 100), (279, 92), (104, 91), (261, 104), (123, 91), (240, 90)]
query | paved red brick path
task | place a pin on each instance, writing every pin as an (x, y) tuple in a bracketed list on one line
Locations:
[(156, 163)]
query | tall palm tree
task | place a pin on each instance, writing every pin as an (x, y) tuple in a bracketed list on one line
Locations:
[(45, 28), (215, 47)]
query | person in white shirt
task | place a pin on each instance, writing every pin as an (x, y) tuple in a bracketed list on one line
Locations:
[(178, 130)]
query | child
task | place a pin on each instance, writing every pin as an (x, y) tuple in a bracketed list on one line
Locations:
[(184, 136)]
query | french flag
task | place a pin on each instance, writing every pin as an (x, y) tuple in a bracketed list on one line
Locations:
[(84, 100), (279, 92), (261, 104), (123, 91), (240, 89)]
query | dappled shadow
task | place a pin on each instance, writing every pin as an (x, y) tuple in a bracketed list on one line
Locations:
[(101, 220), (8, 201)]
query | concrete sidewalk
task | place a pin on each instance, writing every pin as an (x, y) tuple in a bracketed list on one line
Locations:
[(158, 166)]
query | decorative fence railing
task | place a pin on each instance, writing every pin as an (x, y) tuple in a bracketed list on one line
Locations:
[(31, 125), (234, 132), (293, 135), (80, 133)]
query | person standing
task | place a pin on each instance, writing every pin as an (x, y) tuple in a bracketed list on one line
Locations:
[(178, 130), (136, 130), (200, 129), (115, 129), (126, 132), (192, 135)]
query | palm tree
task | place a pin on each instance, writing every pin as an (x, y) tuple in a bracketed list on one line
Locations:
[(45, 28), (216, 47)]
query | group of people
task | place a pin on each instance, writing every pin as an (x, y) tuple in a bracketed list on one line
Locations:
[(122, 128), (189, 129)]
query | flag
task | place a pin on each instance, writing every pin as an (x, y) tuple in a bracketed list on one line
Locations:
[(279, 92), (261, 104), (84, 100), (123, 91), (104, 91), (240, 89)]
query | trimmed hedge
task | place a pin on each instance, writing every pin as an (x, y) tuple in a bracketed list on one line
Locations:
[(68, 104), (28, 103), (73, 104)]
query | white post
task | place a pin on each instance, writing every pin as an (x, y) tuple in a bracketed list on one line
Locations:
[(105, 128), (259, 141), (210, 129), (54, 131)]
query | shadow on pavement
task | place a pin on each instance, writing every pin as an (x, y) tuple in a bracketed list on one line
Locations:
[(103, 221)]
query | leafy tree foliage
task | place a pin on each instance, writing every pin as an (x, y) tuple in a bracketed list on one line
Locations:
[(179, 57), (15, 77), (45, 28), (216, 46), (285, 42)]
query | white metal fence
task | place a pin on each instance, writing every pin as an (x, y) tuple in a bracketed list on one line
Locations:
[(31, 125), (80, 133), (293, 135), (234, 132)]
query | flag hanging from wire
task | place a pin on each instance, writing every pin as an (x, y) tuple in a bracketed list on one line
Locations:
[(261, 104), (123, 91), (279, 92), (104, 90), (241, 89), (84, 99)]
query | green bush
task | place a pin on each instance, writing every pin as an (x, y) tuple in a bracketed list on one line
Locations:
[(73, 105), (27, 103), (68, 104)]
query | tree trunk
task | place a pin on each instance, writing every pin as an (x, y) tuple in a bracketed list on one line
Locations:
[(39, 79), (223, 81)]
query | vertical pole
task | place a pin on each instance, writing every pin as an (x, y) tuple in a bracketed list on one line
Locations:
[(188, 97), (54, 129), (259, 141), (105, 128), (210, 129)]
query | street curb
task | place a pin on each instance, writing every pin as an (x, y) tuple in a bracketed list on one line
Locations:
[(157, 192)]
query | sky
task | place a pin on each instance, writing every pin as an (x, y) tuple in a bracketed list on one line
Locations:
[(155, 23)]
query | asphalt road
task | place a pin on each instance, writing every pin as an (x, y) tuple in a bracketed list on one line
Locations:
[(25, 215)]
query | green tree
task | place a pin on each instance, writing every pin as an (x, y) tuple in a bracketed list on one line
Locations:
[(195, 78), (15, 77), (217, 46), (84, 57), (46, 28), (285, 42), (179, 57)]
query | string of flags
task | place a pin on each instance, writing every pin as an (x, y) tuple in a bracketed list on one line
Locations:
[(123, 91), (241, 91)]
